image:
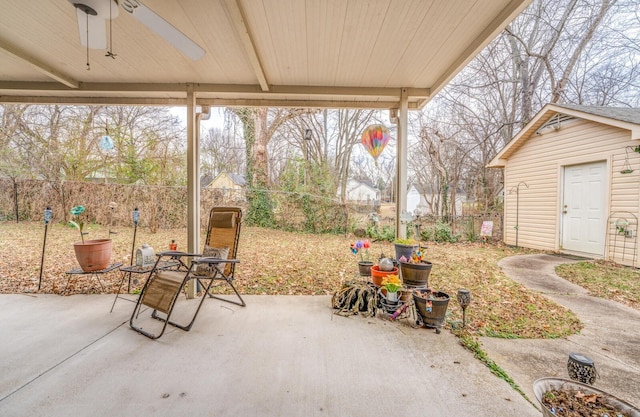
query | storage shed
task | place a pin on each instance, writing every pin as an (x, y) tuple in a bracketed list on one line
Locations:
[(572, 182)]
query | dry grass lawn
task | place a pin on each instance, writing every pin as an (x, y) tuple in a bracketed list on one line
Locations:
[(276, 262)]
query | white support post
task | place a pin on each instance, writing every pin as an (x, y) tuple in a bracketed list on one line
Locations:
[(193, 182), (401, 166)]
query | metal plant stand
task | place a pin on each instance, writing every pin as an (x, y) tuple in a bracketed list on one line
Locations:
[(96, 274)]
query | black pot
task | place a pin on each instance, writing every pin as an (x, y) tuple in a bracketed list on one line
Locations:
[(364, 267), (435, 317), (405, 250)]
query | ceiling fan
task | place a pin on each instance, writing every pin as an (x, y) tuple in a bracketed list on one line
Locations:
[(93, 15)]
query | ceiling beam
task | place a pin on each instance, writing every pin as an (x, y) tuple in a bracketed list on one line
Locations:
[(89, 101), (222, 102), (237, 16), (37, 64), (231, 89), (313, 104)]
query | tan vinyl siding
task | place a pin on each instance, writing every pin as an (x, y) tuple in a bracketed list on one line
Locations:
[(539, 162)]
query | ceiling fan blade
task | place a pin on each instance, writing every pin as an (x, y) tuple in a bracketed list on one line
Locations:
[(163, 28)]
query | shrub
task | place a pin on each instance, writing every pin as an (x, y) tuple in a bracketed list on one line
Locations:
[(440, 233)]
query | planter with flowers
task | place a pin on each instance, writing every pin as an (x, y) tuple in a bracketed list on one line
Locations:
[(415, 269), (389, 297), (405, 247), (391, 284), (94, 254), (362, 247)]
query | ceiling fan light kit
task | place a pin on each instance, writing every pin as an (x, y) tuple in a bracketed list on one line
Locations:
[(92, 16)]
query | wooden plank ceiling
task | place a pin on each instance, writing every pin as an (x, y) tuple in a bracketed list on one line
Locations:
[(294, 53)]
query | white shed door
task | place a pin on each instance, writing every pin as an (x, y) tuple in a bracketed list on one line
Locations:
[(583, 210)]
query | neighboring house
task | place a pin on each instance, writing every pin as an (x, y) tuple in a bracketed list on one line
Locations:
[(231, 185), (361, 192), (418, 203), (103, 175), (572, 182)]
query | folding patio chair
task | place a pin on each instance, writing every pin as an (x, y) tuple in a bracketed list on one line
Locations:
[(216, 263)]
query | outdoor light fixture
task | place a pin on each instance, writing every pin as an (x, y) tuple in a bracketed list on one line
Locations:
[(136, 216), (464, 299), (581, 368), (307, 134), (47, 215)]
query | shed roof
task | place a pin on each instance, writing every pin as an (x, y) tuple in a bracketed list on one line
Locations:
[(292, 53), (623, 114), (624, 118)]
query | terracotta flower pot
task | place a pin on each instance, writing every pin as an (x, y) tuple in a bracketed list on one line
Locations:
[(377, 275), (93, 255)]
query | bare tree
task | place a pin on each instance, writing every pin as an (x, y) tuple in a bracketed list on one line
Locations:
[(221, 151), (556, 51), (62, 142)]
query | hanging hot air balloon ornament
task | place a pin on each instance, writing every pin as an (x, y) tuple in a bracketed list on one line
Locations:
[(374, 139)]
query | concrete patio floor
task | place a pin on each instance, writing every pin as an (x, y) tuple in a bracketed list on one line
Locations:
[(279, 356)]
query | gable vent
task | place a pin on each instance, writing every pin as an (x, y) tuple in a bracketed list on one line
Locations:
[(555, 123)]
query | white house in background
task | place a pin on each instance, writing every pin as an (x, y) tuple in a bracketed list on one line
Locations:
[(416, 202), (361, 192)]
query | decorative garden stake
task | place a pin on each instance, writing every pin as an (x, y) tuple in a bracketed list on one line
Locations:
[(47, 219), (112, 206), (136, 219), (516, 190), (464, 299)]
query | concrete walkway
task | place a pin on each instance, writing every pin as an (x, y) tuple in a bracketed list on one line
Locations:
[(279, 356), (611, 334)]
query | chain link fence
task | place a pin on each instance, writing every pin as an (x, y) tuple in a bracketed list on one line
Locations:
[(166, 207)]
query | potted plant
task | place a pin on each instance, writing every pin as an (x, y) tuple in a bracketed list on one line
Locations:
[(405, 247), (378, 273), (391, 283), (92, 255), (431, 307), (362, 247), (415, 270)]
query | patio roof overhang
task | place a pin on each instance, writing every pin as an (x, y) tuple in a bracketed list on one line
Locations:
[(384, 54), (291, 53)]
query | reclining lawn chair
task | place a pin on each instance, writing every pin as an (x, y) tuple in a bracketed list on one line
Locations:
[(216, 263)]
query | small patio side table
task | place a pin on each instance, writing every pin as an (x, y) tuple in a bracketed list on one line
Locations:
[(96, 274)]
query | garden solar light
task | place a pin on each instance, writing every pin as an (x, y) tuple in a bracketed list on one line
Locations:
[(47, 215), (464, 299)]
